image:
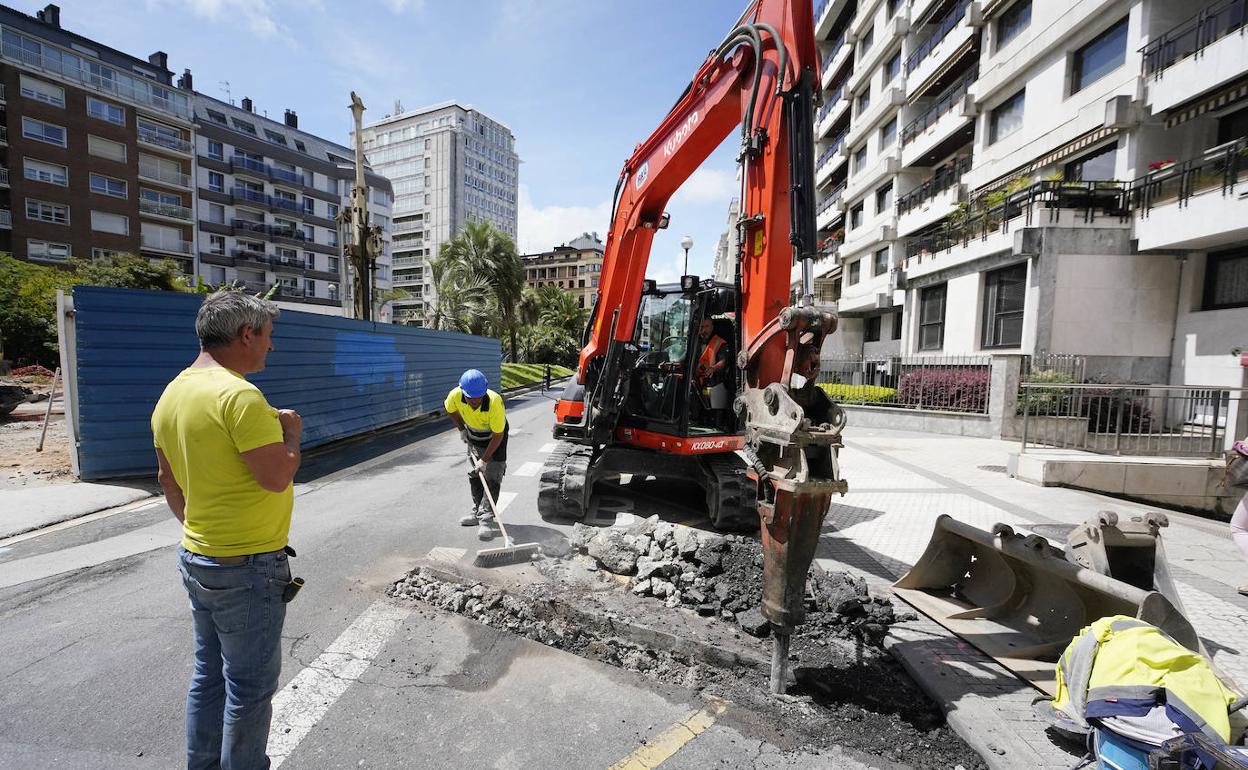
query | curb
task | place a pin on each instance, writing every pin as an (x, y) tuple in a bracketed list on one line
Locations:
[(540, 385)]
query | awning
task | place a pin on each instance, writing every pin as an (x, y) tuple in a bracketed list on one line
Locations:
[(1215, 101), (1068, 150)]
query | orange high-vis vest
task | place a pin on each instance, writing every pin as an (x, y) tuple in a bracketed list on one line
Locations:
[(709, 354)]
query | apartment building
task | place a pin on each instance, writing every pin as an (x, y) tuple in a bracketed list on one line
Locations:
[(95, 148), (449, 164), (270, 196), (574, 266), (1018, 176)]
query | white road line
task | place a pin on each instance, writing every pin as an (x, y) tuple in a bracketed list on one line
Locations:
[(528, 469), (548, 447), (18, 571), (504, 500), (308, 697)]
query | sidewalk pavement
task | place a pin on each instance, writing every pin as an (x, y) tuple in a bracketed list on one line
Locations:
[(34, 507), (900, 482)]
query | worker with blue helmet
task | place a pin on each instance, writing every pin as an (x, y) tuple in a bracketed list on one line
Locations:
[(479, 415)]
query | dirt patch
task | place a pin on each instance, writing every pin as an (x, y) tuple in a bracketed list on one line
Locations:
[(847, 693), (20, 464)]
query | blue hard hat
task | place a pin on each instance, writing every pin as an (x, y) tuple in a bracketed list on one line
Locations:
[(473, 383)]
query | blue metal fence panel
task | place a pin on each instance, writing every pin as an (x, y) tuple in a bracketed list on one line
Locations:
[(345, 377)]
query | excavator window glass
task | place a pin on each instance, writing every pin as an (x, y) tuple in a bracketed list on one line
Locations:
[(663, 327)]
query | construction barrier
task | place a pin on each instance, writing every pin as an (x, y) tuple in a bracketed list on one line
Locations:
[(120, 347)]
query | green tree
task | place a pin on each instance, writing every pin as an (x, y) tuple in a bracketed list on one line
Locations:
[(127, 271), (481, 255)]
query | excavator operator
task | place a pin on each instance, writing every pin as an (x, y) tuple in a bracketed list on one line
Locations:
[(713, 359)]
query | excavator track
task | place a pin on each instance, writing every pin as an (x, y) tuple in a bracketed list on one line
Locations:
[(731, 501), (560, 495)]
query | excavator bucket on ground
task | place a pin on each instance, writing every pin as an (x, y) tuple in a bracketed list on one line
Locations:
[(1019, 600)]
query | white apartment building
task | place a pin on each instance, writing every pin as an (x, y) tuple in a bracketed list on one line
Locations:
[(1025, 176), (269, 200), (449, 164)]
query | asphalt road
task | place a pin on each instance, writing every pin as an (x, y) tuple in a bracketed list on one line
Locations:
[(96, 640)]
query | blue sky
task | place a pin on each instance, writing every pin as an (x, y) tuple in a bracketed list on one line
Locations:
[(579, 82)]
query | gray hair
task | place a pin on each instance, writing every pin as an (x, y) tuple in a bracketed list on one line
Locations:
[(224, 314)]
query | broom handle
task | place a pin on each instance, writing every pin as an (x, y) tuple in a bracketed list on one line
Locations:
[(488, 496)]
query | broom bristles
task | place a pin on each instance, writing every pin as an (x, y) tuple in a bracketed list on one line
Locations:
[(507, 554)]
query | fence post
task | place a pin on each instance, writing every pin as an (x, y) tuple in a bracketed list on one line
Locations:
[(1122, 402), (1216, 449), (1026, 415)]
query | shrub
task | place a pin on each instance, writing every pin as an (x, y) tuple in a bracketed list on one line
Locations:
[(858, 394), (1047, 401), (960, 390)]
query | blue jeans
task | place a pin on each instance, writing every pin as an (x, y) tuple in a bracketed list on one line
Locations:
[(238, 614)]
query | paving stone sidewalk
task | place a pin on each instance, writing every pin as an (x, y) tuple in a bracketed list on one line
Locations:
[(900, 482)]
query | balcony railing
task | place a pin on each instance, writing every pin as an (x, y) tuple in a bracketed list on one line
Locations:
[(251, 164), (992, 213), (71, 68), (285, 203), (406, 227), (157, 139), (837, 45), (4, 176), (4, 135), (820, 8), (171, 210), (943, 104), (832, 99), (287, 176), (945, 177), (290, 291), (833, 198), (254, 196), (165, 242), (250, 254), (944, 26), (6, 218), (155, 173), (249, 226), (1218, 167), (1193, 35)]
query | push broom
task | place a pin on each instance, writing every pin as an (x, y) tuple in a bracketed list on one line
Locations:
[(510, 553)]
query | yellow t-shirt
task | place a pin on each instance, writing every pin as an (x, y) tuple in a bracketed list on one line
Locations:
[(481, 422), (206, 418)]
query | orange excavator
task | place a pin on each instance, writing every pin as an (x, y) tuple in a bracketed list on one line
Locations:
[(758, 435)]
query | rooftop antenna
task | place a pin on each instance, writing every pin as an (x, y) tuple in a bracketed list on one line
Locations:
[(398, 107), (225, 86)]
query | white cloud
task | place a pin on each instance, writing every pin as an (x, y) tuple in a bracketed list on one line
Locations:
[(402, 6), (257, 15), (542, 229), (708, 185)]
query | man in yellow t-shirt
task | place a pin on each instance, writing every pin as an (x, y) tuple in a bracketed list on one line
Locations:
[(227, 460), (479, 414)]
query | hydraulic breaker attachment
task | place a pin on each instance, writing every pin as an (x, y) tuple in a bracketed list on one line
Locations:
[(1019, 600)]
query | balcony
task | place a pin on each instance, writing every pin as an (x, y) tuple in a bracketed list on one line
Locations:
[(867, 121), (4, 135), (950, 33), (948, 112), (167, 210), (247, 195), (1194, 204), (165, 242), (284, 291), (835, 105), (932, 200), (291, 177), (2, 96), (865, 179), (248, 226), (163, 141), (6, 219), (4, 177), (834, 59), (826, 12), (285, 204), (830, 159), (1198, 55), (243, 163), (407, 227), (408, 261), (152, 172), (830, 208)]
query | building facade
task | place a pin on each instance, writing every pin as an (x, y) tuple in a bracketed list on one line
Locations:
[(95, 148), (449, 164), (270, 198), (574, 267), (1017, 176)]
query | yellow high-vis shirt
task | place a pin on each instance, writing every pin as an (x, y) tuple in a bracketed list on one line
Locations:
[(481, 422), (206, 418)]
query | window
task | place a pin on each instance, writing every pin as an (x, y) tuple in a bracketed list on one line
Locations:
[(244, 126), (216, 181), (332, 212), (1233, 126), (880, 261), (42, 211), (50, 252), (106, 148), (892, 7), (892, 67), (216, 244), (1015, 19), (110, 223), (309, 260), (1096, 166), (864, 100), (860, 158), (42, 92), (309, 206), (853, 272), (1100, 57), (214, 275), (98, 253), (102, 110), (309, 233), (43, 132), (216, 150), (1006, 118), (932, 318), (871, 328), (51, 173), (331, 265), (216, 213), (1004, 293), (106, 185), (299, 146), (275, 137), (888, 133), (897, 326), (162, 198), (216, 117), (864, 45), (884, 198), (1226, 280), (855, 217)]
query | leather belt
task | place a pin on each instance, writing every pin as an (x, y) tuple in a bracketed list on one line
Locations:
[(234, 561)]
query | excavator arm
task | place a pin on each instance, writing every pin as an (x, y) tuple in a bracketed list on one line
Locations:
[(761, 79)]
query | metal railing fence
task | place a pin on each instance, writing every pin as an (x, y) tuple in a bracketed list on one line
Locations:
[(1149, 420), (1192, 36), (942, 383)]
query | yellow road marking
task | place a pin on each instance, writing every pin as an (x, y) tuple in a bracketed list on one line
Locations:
[(661, 748)]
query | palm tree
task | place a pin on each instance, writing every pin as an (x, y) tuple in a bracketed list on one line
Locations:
[(560, 310), (481, 255)]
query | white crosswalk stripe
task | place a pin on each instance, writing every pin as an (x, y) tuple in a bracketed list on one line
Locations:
[(548, 447), (528, 469)]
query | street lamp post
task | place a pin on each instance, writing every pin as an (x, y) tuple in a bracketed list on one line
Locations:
[(686, 243)]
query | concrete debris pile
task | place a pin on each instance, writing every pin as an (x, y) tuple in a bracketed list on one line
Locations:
[(721, 575)]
